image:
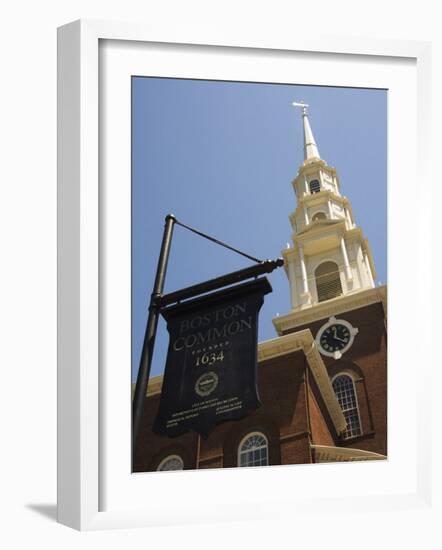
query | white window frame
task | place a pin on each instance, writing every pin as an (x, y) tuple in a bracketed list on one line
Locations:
[(346, 373), (170, 457), (243, 440)]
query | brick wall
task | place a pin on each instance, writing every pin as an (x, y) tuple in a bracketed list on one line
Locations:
[(366, 362), (282, 418), (292, 412)]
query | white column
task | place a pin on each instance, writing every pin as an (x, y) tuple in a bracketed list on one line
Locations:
[(330, 211), (345, 258), (307, 190), (321, 179), (305, 216), (303, 269), (370, 274), (292, 278), (347, 214)]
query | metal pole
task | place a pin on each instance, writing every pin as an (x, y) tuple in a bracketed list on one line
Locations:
[(151, 330)]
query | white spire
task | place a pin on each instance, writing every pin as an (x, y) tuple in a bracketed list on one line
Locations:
[(310, 147)]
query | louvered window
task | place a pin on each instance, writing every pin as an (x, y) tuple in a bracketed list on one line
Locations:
[(314, 186), (328, 281)]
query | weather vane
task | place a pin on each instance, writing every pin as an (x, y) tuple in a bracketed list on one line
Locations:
[(301, 104)]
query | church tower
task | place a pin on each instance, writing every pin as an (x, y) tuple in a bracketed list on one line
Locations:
[(330, 256), (331, 274)]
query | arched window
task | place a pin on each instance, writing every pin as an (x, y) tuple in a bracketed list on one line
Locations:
[(253, 450), (315, 186), (172, 462), (345, 392), (319, 216), (328, 281)]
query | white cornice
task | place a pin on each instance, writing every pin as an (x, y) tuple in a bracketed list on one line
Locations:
[(336, 306), (155, 385), (315, 229), (325, 453), (318, 198), (311, 165), (319, 227), (323, 193), (269, 349)]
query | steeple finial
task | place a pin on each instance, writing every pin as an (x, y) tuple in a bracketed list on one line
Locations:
[(310, 147)]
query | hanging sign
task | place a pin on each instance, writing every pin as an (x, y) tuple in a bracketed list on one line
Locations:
[(211, 366)]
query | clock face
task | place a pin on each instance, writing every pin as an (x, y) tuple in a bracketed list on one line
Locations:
[(335, 338)]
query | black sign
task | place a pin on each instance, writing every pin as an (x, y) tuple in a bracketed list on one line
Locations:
[(211, 365)]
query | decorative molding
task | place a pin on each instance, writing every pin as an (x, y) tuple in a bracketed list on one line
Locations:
[(321, 198), (314, 229), (323, 194), (311, 166), (284, 345), (324, 453), (335, 306), (155, 385), (324, 384)]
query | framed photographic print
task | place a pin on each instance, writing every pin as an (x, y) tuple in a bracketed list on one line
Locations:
[(267, 373), (237, 142)]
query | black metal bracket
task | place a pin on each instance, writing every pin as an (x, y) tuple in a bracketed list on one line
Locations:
[(267, 266)]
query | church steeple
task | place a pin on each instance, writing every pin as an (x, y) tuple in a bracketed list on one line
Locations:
[(330, 257), (310, 147)]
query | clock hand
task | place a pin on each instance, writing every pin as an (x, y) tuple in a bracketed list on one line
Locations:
[(333, 341), (335, 335)]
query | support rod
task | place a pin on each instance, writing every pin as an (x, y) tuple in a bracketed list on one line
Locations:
[(217, 241)]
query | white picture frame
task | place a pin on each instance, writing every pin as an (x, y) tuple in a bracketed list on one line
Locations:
[(82, 396)]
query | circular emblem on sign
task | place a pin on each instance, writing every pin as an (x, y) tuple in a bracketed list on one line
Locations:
[(206, 384)]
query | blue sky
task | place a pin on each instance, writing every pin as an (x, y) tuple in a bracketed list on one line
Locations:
[(221, 156)]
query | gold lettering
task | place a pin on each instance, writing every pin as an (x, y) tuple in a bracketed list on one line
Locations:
[(205, 337), (175, 344)]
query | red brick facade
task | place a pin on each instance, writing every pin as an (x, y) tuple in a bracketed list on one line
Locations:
[(293, 415), (366, 362)]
